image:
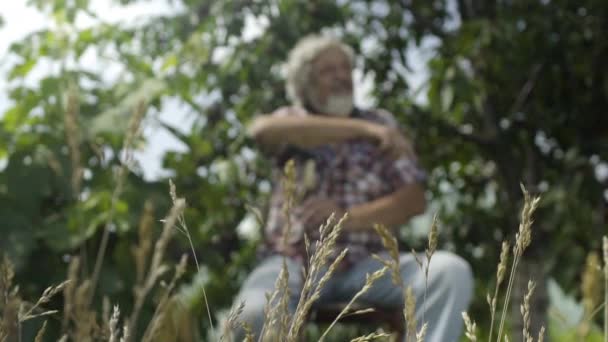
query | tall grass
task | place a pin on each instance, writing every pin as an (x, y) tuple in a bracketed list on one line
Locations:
[(605, 249), (81, 322), (523, 238)]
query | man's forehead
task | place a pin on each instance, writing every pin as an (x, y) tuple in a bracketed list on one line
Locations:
[(330, 54)]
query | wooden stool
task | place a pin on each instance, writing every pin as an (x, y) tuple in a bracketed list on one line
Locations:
[(391, 318)]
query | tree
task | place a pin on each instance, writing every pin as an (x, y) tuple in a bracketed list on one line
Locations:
[(515, 88), (515, 94)]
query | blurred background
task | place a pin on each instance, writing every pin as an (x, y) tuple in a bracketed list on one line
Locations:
[(493, 93)]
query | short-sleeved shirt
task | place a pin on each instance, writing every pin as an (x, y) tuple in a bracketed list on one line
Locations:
[(350, 173)]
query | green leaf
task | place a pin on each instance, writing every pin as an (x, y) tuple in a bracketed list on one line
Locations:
[(170, 62), (21, 70), (447, 97), (13, 118), (116, 119), (28, 183), (58, 237), (17, 236)]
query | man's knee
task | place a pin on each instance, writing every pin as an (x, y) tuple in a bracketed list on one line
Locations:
[(252, 315), (254, 307), (452, 271)]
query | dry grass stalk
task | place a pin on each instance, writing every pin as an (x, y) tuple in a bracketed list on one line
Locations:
[(311, 288), (276, 309), (105, 314), (361, 312), (277, 312), (418, 260), (48, 293), (162, 242), (165, 309), (324, 250), (182, 227), (420, 335), (289, 189), (131, 134), (429, 251), (432, 247), (9, 326), (232, 321), (591, 289), (7, 273), (522, 240), (330, 271), (541, 334), (470, 326), (433, 237), (40, 334), (284, 318), (370, 337), (9, 302), (141, 251), (72, 135), (390, 243), (524, 236), (113, 324), (79, 322), (248, 332), (525, 311), (125, 333), (84, 320), (409, 313), (369, 281), (159, 327), (500, 276), (156, 269), (605, 250), (591, 282), (69, 292)]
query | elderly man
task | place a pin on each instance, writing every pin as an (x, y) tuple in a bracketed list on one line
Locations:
[(361, 165)]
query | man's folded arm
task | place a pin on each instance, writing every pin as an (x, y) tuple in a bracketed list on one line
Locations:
[(391, 210), (275, 132)]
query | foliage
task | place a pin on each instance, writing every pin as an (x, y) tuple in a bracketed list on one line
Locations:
[(516, 93)]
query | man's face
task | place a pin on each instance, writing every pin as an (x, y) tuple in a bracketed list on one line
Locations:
[(331, 90)]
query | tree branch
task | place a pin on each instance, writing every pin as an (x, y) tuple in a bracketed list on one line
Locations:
[(525, 91), (450, 129)]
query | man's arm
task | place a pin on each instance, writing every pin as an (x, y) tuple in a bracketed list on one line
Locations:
[(272, 132), (391, 210)]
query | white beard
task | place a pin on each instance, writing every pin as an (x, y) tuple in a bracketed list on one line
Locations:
[(338, 105)]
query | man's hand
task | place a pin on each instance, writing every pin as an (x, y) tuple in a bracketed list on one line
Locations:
[(390, 141), (316, 210)]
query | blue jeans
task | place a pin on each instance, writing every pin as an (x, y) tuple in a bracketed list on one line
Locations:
[(449, 291)]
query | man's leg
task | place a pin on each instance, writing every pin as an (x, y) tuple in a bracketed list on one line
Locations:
[(449, 291), (261, 281)]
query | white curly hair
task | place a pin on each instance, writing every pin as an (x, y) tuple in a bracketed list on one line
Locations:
[(299, 63)]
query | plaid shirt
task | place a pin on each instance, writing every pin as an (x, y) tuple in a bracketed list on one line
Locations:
[(350, 173)]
